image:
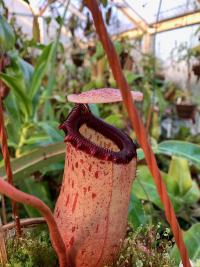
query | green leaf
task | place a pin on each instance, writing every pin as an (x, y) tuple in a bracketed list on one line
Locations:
[(115, 120), (136, 214), (131, 76), (182, 149), (13, 116), (192, 241), (144, 188), (36, 160), (140, 154), (7, 37), (38, 189), (15, 70), (59, 20), (38, 140), (99, 52), (192, 195), (186, 150), (118, 47), (27, 70), (23, 99), (179, 177), (51, 129), (41, 68), (94, 109)]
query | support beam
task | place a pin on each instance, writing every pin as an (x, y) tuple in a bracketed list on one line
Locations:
[(166, 25), (178, 22), (131, 14)]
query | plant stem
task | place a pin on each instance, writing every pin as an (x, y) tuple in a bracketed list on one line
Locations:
[(19, 196), (3, 210), (21, 141), (6, 156), (138, 126)]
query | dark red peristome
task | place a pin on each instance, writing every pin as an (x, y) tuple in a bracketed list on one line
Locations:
[(80, 115)]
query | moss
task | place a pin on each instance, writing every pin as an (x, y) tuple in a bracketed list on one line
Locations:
[(148, 246), (32, 250)]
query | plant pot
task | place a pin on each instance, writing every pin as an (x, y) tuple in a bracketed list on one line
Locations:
[(186, 111), (7, 232), (78, 59), (196, 70)]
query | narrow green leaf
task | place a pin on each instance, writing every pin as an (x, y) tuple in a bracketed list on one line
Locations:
[(27, 71), (7, 37), (51, 129), (186, 150), (94, 109), (41, 68), (115, 120), (36, 160), (14, 84), (38, 189), (136, 214), (38, 140), (182, 149)]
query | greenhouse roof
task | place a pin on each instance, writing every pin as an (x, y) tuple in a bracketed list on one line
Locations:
[(126, 15)]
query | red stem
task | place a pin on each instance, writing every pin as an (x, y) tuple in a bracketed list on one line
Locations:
[(6, 156), (18, 196), (138, 126)]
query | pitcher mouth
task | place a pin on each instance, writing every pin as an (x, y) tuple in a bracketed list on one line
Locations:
[(81, 118)]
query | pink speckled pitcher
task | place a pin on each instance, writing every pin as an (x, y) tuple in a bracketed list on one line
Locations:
[(91, 211)]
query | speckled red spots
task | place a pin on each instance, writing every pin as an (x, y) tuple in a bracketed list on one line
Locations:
[(102, 95), (97, 229), (84, 190), (75, 202), (90, 168), (76, 165), (81, 161), (93, 195), (58, 214), (71, 242), (67, 200), (83, 251), (96, 174)]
